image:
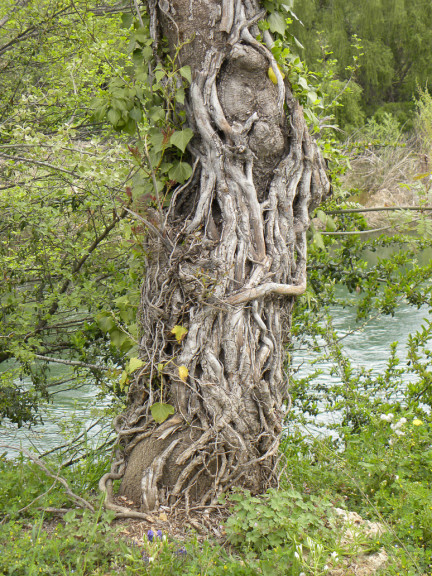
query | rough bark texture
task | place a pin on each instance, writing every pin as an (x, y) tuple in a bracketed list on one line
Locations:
[(233, 258)]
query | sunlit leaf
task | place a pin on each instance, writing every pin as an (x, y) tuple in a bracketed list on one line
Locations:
[(161, 411), (179, 332), (134, 364), (183, 373)]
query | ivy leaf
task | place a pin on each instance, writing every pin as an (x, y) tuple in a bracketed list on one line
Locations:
[(180, 172), (157, 141), (277, 23), (134, 364), (179, 332), (160, 411), (105, 322), (185, 71), (183, 373), (328, 222), (180, 138)]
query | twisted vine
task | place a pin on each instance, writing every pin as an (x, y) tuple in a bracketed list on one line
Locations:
[(227, 266)]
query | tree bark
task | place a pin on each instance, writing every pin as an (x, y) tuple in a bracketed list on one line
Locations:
[(232, 259)]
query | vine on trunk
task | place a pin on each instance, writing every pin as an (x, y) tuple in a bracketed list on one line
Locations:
[(225, 260)]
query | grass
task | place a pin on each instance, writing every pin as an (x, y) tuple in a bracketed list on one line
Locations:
[(383, 472)]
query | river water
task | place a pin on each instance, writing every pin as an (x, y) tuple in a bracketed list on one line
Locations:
[(74, 410)]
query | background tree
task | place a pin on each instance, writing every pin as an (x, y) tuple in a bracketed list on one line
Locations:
[(395, 36), (65, 242), (226, 256)]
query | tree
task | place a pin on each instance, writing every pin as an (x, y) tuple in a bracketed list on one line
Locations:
[(65, 251), (226, 254), (396, 37)]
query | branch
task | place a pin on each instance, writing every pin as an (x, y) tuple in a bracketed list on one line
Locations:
[(77, 499), (76, 268), (40, 163), (70, 362), (265, 290), (379, 209)]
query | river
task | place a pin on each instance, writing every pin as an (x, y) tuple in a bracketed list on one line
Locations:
[(73, 410)]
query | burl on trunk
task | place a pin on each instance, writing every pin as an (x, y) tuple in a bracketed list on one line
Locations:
[(231, 260)]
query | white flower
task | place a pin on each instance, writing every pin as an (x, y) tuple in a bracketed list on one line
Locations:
[(399, 424), (151, 559), (399, 433), (326, 567), (334, 555), (296, 555), (302, 574), (387, 417)]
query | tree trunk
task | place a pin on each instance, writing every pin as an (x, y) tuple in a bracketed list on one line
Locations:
[(232, 259)]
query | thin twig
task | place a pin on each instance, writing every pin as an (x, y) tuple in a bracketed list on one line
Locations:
[(77, 499), (71, 362), (379, 209)]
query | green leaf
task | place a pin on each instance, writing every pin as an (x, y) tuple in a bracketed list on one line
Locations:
[(303, 82), (179, 332), (312, 97), (105, 322), (159, 74), (127, 20), (160, 411), (141, 35), (157, 141), (113, 116), (134, 364), (180, 138), (123, 379), (185, 71), (277, 23), (136, 114), (180, 172), (180, 96)]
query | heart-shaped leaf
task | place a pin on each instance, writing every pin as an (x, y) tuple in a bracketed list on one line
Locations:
[(160, 411)]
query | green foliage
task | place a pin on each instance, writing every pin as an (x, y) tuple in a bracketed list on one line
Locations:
[(279, 518), (383, 472), (70, 256), (396, 37), (80, 546)]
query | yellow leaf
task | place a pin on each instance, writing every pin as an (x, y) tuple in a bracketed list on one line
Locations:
[(183, 373), (134, 364), (179, 332), (272, 75)]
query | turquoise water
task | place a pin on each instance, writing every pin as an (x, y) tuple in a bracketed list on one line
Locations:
[(70, 414), (74, 410), (365, 346)]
